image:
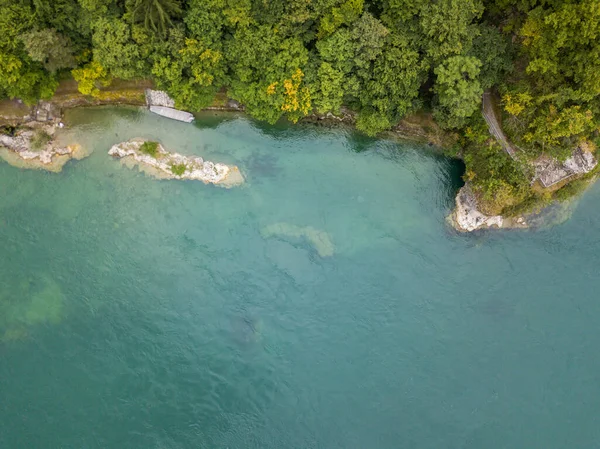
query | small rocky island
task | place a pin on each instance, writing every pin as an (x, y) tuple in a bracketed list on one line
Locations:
[(33, 145), (152, 158)]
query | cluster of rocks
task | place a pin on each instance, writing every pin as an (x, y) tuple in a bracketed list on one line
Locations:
[(467, 217), (168, 165), (45, 153), (46, 111), (159, 98), (550, 171)]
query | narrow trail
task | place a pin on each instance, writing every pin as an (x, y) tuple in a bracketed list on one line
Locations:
[(489, 114)]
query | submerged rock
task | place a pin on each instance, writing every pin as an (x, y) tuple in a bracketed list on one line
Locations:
[(320, 240), (29, 303), (246, 330), (165, 165), (33, 146)]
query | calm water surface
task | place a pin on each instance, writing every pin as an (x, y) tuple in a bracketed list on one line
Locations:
[(323, 304)]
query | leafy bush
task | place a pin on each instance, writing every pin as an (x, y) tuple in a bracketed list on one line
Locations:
[(500, 181), (150, 148), (178, 169)]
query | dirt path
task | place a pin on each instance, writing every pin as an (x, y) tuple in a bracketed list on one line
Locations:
[(489, 114)]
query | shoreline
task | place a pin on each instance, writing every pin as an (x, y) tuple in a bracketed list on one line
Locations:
[(419, 128)]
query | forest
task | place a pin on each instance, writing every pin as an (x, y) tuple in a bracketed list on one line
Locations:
[(383, 59)]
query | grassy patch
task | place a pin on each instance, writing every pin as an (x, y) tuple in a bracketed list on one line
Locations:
[(150, 148), (40, 139), (178, 169)]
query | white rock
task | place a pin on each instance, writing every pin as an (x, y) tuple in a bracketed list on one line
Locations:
[(196, 167), (21, 145), (159, 98), (467, 217)]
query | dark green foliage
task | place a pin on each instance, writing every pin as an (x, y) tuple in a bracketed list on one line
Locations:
[(382, 58), (52, 49), (115, 50), (458, 90), (155, 15), (499, 181), (494, 51), (149, 148)]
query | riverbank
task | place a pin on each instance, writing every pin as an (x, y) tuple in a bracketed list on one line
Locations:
[(470, 213)]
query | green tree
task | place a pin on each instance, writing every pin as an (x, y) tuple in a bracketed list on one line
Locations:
[(192, 74), (156, 15), (50, 48), (115, 50), (344, 13), (20, 76), (391, 90), (65, 17), (335, 79), (448, 27), (267, 73), (458, 90), (494, 51)]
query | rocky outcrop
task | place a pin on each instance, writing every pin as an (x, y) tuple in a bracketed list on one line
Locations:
[(160, 103), (33, 146), (320, 240), (159, 98), (166, 165), (467, 217), (550, 171)]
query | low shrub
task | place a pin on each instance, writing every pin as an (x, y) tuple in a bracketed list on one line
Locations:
[(150, 148), (178, 169)]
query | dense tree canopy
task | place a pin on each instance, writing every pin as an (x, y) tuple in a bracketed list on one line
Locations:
[(382, 58)]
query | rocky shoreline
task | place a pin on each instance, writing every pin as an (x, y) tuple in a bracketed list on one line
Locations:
[(18, 150), (550, 174), (467, 217), (162, 164)]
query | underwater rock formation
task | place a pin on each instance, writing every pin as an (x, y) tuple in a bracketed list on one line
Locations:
[(27, 304), (320, 240)]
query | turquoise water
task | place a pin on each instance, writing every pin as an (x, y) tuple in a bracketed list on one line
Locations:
[(137, 313)]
